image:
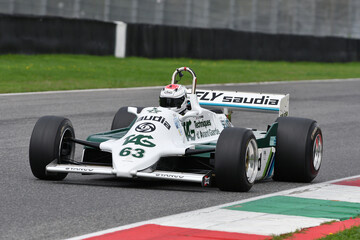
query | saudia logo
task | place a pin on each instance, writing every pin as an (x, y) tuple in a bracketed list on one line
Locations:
[(211, 96), (155, 119)]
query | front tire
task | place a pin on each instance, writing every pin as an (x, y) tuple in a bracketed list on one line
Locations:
[(123, 118), (47, 143), (236, 160), (299, 147)]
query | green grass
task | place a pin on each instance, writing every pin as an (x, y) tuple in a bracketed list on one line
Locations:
[(26, 73), (352, 233), (284, 236), (348, 234)]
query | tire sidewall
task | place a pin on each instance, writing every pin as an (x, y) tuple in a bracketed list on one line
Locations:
[(45, 144), (230, 155), (311, 172), (294, 149)]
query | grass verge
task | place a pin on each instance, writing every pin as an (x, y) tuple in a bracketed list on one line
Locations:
[(27, 73), (348, 234), (352, 233)]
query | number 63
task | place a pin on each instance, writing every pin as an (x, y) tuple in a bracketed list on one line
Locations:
[(139, 153)]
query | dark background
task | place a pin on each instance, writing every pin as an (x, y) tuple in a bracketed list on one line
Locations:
[(34, 35)]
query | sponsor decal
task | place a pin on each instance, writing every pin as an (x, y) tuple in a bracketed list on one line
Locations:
[(200, 124), (168, 92), (178, 125), (154, 110), (220, 97), (79, 169), (206, 96), (145, 127), (207, 133), (272, 142), (155, 119), (189, 133), (142, 140), (226, 123), (166, 175)]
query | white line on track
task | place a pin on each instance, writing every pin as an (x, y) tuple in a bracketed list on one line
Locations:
[(201, 85), (162, 219)]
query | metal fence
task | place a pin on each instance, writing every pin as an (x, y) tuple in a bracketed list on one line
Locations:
[(339, 18)]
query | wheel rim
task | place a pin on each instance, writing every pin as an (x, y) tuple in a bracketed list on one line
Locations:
[(317, 152), (251, 161), (66, 148)]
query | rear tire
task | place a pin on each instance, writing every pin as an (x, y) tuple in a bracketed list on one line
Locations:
[(47, 144), (299, 146), (236, 160), (123, 118)]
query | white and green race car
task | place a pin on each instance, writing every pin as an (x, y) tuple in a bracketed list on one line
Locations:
[(197, 144)]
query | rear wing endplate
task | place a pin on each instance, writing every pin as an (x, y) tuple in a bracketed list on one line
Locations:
[(259, 102)]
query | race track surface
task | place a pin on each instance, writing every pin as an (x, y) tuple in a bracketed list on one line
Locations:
[(35, 209)]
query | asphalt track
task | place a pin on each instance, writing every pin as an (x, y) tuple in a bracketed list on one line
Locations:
[(34, 209)]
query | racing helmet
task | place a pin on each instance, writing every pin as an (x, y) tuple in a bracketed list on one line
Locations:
[(174, 97)]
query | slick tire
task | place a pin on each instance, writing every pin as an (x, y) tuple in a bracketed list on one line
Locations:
[(123, 118), (47, 143), (299, 146), (236, 160)]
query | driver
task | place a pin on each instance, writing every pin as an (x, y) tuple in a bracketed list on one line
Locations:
[(174, 97)]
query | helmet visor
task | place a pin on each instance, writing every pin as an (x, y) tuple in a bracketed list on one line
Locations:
[(171, 102)]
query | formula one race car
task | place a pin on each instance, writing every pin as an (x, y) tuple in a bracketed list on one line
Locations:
[(183, 140)]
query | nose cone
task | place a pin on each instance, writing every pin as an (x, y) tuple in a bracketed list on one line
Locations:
[(156, 133)]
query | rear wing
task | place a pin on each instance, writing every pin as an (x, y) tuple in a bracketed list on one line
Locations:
[(260, 102)]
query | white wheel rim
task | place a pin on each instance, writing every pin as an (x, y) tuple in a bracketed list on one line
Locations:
[(71, 155), (317, 152), (251, 161)]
